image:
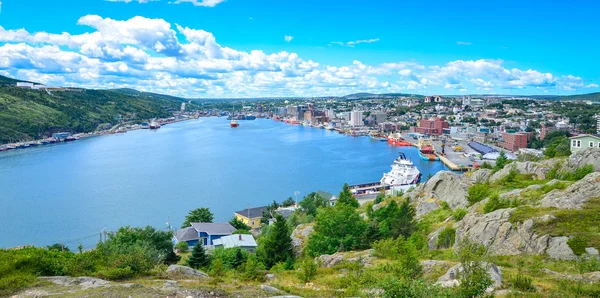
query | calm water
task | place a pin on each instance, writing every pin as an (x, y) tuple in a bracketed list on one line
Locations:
[(70, 192)]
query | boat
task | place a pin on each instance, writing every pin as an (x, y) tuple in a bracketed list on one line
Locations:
[(426, 150), (234, 123), (404, 175), (71, 138), (396, 139), (154, 125)]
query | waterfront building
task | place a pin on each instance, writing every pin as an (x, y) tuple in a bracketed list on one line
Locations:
[(432, 126), (356, 118), (203, 232), (251, 217), (243, 241), (330, 114), (380, 117), (514, 141), (581, 142)]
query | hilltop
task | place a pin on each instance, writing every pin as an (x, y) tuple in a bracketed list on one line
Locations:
[(27, 114)]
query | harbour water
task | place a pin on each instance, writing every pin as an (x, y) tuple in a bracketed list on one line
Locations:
[(69, 192)]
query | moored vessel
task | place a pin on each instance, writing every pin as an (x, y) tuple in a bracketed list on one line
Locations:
[(234, 123), (397, 140)]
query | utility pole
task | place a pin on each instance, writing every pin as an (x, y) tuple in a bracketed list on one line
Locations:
[(296, 193)]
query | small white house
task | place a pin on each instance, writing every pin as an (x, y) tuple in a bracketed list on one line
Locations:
[(243, 241)]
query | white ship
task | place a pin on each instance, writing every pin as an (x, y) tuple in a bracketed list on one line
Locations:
[(404, 175)]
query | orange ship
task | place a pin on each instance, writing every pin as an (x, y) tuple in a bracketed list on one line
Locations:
[(234, 124), (397, 140)]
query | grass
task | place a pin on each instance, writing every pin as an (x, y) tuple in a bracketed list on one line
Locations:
[(435, 219)]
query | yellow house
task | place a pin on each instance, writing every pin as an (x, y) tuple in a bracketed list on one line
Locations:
[(251, 217)]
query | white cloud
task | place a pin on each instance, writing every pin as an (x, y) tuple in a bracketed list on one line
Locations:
[(154, 55), (288, 38), (128, 1), (206, 3), (463, 43), (355, 42)]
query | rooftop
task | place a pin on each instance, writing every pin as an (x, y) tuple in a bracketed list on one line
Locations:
[(221, 228), (186, 234), (235, 241), (252, 212)]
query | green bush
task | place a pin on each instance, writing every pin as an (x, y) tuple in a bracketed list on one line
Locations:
[(182, 246), (578, 244), (446, 237), (477, 193), (116, 273), (232, 257), (307, 270), (474, 279), (522, 283), (459, 214), (495, 203), (10, 284), (253, 269)]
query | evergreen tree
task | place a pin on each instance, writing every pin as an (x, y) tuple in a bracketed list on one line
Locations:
[(277, 245), (198, 215), (347, 198), (239, 258), (238, 224), (501, 161), (199, 258)]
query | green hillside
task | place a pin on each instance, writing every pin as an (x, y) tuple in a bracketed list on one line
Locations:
[(30, 114)]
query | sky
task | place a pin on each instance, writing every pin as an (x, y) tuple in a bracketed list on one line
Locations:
[(268, 48)]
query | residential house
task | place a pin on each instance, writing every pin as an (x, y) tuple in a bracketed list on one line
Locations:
[(243, 241), (251, 217), (204, 232), (331, 198), (584, 141)]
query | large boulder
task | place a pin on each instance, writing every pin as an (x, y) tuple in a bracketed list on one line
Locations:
[(444, 186), (481, 176), (299, 237), (329, 261), (574, 196), (452, 277), (84, 282), (186, 271), (526, 167), (581, 158), (558, 248), (431, 266)]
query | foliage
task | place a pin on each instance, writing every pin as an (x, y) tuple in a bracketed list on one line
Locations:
[(307, 270), (253, 269), (459, 214), (10, 284), (477, 193), (288, 202), (276, 246), (337, 228), (199, 258), (59, 247), (239, 224), (182, 246), (578, 244), (380, 197), (446, 237), (496, 203), (576, 175), (269, 212), (474, 279), (232, 258), (217, 267), (559, 147), (116, 273), (347, 198), (528, 157), (312, 202), (501, 161), (486, 165), (198, 215), (522, 283), (403, 287), (396, 220)]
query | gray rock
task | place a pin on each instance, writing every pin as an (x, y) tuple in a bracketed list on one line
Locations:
[(299, 237), (547, 218), (170, 285), (589, 277), (452, 276), (271, 290), (517, 192), (588, 156), (432, 242), (84, 282), (286, 296), (574, 196), (270, 276), (481, 176), (559, 249), (526, 167), (329, 261), (186, 271), (429, 266), (591, 251), (444, 186)]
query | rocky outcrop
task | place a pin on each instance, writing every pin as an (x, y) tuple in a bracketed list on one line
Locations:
[(526, 167), (574, 196), (329, 261), (444, 186), (271, 290), (588, 156), (84, 282), (431, 266), (559, 249), (299, 237), (481, 176), (185, 271), (452, 277), (592, 277)]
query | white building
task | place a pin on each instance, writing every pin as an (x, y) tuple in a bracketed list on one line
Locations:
[(330, 114), (25, 85), (598, 124), (356, 118)]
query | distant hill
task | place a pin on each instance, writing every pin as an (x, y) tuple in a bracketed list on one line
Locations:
[(589, 96), (367, 95), (29, 114), (10, 81), (133, 92)]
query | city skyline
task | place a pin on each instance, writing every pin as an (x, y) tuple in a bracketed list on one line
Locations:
[(230, 49)]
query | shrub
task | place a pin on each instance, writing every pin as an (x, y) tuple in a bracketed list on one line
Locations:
[(199, 258), (182, 246), (474, 279), (486, 165), (495, 203), (308, 270), (522, 283), (477, 193), (578, 244), (459, 214), (12, 283), (253, 269), (217, 268), (446, 237), (511, 176), (116, 273), (385, 248), (418, 241)]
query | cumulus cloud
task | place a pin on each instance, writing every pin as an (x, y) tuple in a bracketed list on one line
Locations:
[(155, 55), (288, 38), (354, 42)]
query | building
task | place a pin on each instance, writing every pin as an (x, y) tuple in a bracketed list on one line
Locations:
[(251, 217), (203, 232), (330, 114), (380, 117), (25, 85), (598, 124), (434, 98), (328, 196), (581, 142), (547, 129), (356, 118), (433, 126), (281, 111), (481, 149), (243, 241), (308, 115), (514, 141), (260, 108)]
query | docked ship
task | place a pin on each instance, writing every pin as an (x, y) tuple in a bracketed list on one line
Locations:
[(426, 151), (404, 174), (234, 123), (397, 140), (154, 125)]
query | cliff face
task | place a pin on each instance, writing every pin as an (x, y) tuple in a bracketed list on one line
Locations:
[(443, 187)]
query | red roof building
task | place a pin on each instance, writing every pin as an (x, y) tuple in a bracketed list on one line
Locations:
[(434, 126)]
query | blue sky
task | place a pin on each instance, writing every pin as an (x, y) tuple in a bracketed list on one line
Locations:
[(235, 48)]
